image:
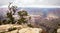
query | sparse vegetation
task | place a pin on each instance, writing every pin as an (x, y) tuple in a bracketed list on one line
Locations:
[(11, 29), (22, 18), (11, 19), (30, 25), (11, 13)]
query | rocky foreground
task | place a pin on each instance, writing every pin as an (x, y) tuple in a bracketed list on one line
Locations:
[(12, 28)]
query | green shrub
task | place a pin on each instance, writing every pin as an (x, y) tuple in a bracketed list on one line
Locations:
[(11, 29), (30, 25)]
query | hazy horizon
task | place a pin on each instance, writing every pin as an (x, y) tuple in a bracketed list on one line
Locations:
[(35, 11)]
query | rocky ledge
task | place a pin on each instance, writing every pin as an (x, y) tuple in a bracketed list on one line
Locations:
[(12, 28)]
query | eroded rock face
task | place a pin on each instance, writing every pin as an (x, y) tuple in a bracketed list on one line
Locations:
[(58, 30), (14, 31), (30, 30), (10, 28), (27, 30), (19, 29)]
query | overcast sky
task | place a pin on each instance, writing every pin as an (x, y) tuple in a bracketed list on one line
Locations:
[(24, 3)]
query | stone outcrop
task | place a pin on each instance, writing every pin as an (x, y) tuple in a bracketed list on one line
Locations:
[(30, 30), (9, 28), (58, 30)]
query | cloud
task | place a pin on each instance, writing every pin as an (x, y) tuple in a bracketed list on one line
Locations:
[(28, 3), (5, 2), (38, 2)]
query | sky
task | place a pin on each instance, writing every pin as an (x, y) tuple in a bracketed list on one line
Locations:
[(30, 3)]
